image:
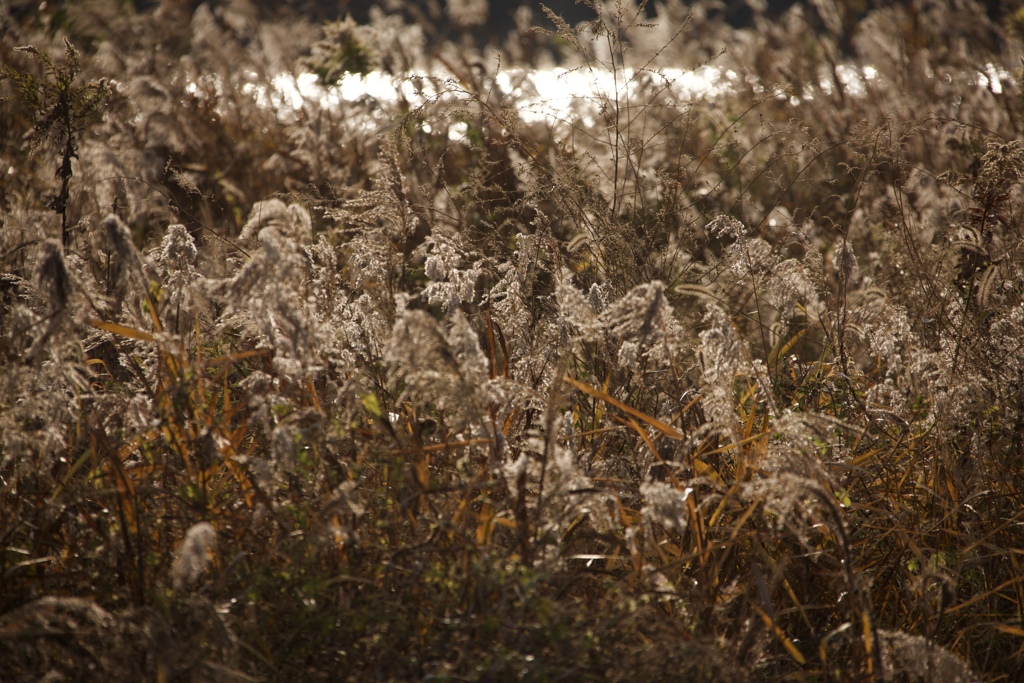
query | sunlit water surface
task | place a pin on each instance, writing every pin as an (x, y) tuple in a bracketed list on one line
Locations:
[(551, 96)]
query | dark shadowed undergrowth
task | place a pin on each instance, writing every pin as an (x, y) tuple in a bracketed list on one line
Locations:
[(668, 387)]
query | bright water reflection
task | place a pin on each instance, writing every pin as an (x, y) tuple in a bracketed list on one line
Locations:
[(551, 96), (540, 94)]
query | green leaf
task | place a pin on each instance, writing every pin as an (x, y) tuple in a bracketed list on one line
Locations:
[(370, 402)]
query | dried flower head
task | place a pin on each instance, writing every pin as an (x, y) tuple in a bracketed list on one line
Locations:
[(177, 249)]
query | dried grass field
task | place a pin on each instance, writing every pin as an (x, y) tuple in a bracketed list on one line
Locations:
[(649, 348)]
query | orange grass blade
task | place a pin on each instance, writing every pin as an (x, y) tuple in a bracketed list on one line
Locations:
[(1010, 630), (665, 429), (869, 642), (120, 330), (981, 596), (792, 649)]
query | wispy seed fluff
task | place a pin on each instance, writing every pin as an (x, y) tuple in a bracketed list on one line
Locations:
[(467, 13), (194, 556), (666, 505), (721, 352)]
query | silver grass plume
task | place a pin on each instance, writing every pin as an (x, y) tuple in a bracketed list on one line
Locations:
[(270, 298), (722, 357), (194, 555), (175, 260), (666, 505), (916, 659), (467, 13), (119, 239), (446, 369), (52, 277), (273, 218), (451, 283)]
